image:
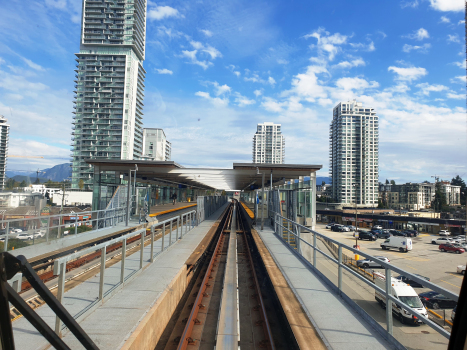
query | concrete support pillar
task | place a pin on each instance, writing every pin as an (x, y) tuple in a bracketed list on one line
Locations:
[(313, 200)]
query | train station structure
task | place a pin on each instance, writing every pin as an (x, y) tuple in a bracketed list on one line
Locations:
[(232, 261)]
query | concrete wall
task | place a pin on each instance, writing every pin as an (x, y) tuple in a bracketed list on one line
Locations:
[(74, 198)]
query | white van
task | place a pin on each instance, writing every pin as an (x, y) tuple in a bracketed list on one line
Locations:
[(404, 244), (404, 293)]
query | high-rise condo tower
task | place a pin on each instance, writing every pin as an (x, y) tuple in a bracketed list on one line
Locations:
[(108, 116), (268, 144), (353, 138)]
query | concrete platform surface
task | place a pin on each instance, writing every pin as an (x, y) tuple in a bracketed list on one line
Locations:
[(114, 321), (338, 324)]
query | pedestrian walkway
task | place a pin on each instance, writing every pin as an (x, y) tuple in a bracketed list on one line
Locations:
[(112, 324), (337, 323)]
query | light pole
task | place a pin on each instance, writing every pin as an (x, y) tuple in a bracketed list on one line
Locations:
[(465, 227), (356, 216), (262, 199)]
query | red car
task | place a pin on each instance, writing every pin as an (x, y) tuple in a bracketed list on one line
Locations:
[(451, 248)]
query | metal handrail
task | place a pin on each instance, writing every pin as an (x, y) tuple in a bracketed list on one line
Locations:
[(278, 223)]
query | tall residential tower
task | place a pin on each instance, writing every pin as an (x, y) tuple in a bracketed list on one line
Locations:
[(109, 84), (155, 145), (4, 131), (353, 138), (268, 144)]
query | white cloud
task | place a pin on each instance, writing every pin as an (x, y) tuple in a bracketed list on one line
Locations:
[(206, 32), (364, 47), (460, 64), (327, 44), (213, 52), (455, 96), (254, 78), (444, 19), (426, 88), (423, 48), (59, 4), (419, 34), (307, 85), (356, 83), (447, 5), (163, 30), (196, 45), (462, 21), (453, 38), (408, 74), (271, 81), (160, 12), (221, 89), (191, 55), (164, 71), (2, 61), (237, 73), (349, 64), (214, 100), (272, 105), (411, 4), (243, 101), (282, 61), (258, 92), (458, 79)]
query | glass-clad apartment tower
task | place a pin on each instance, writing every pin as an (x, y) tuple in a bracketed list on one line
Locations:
[(268, 144), (4, 132), (353, 138), (109, 89)]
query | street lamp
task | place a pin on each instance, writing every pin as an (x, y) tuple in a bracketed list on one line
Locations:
[(356, 215), (465, 227)]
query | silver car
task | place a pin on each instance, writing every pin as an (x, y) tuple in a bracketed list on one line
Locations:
[(370, 263)]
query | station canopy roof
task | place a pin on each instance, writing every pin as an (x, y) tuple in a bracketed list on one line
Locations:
[(239, 178)]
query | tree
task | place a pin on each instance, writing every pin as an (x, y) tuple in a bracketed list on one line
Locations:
[(81, 184), (457, 181), (323, 183), (393, 182), (380, 204), (23, 184), (439, 203), (387, 182)]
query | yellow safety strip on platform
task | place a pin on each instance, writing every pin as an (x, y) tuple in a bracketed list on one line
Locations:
[(248, 211), (172, 210)]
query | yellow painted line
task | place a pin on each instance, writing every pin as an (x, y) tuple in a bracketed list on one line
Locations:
[(450, 284), (172, 210), (457, 276), (448, 322), (248, 211), (434, 313), (411, 267)]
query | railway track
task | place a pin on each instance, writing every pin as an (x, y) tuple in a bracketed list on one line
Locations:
[(230, 302)]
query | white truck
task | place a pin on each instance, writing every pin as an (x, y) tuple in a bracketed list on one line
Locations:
[(404, 293), (403, 244)]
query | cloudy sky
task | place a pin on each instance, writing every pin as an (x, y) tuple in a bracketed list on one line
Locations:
[(217, 68)]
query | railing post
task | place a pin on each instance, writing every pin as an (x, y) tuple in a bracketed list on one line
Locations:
[(48, 230), (339, 270), (60, 290), (102, 274), (141, 255), (163, 237), (314, 250), (152, 244), (178, 226), (298, 239), (7, 234), (170, 233), (288, 232), (388, 301), (122, 266)]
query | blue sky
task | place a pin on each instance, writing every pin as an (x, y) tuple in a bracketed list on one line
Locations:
[(217, 68)]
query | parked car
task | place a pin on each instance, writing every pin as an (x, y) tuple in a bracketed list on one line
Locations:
[(435, 300), (409, 233), (343, 229), (17, 230), (441, 240), (366, 235), (336, 228), (330, 225), (39, 234), (370, 263), (24, 236), (351, 228), (377, 227), (444, 233), (414, 233), (397, 233), (382, 234), (451, 248), (411, 282), (403, 244), (460, 240), (461, 269)]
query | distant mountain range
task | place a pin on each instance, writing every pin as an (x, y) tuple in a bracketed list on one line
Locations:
[(57, 173)]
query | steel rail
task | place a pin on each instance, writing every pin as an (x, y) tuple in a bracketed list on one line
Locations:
[(266, 327), (186, 339)]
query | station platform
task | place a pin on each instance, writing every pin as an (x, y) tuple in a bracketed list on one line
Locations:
[(136, 313), (335, 321)]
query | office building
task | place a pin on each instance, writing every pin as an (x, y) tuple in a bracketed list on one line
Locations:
[(155, 145), (408, 196), (268, 144), (109, 90), (353, 138), (4, 132)]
